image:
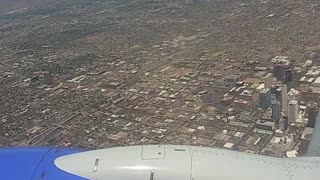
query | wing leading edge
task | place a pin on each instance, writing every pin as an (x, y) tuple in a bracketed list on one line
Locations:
[(314, 146)]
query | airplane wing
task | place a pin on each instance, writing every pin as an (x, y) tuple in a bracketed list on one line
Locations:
[(314, 146)]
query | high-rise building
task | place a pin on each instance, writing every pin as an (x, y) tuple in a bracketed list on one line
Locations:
[(283, 72), (283, 123), (312, 110), (288, 75), (279, 71), (273, 97), (277, 93), (265, 98), (274, 89), (284, 98), (293, 111), (268, 81), (276, 111)]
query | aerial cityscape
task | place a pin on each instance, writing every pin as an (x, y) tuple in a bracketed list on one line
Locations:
[(242, 75)]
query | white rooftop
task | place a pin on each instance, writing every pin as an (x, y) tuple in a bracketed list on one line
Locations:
[(261, 86), (317, 81), (228, 145), (292, 154)]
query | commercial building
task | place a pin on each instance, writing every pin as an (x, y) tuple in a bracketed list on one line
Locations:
[(276, 111), (231, 80), (283, 123), (265, 98), (312, 110), (268, 81), (281, 94), (284, 98), (293, 111), (288, 75), (279, 71), (277, 93), (265, 125), (283, 72)]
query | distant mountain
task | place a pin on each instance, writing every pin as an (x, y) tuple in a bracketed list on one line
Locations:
[(11, 5)]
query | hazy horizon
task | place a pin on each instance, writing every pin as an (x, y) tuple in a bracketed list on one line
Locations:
[(11, 5)]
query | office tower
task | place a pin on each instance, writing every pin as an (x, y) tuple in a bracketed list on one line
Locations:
[(279, 71), (312, 111), (274, 89), (284, 98), (288, 76), (268, 81), (277, 93), (293, 111), (283, 72), (283, 123), (273, 97), (265, 98), (276, 111)]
